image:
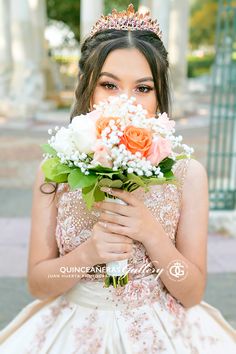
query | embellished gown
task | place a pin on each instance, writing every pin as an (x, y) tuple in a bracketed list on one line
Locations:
[(142, 317)]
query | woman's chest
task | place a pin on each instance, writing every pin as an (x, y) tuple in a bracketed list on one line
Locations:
[(75, 222)]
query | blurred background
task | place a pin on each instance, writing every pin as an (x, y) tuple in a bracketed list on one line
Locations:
[(39, 51)]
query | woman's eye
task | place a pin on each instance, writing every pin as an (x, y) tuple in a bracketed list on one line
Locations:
[(108, 85), (144, 89)]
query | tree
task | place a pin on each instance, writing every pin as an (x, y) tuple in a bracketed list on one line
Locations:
[(66, 11), (119, 5), (69, 11), (203, 22)]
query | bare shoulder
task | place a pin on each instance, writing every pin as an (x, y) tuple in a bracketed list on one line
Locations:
[(196, 168), (196, 179)]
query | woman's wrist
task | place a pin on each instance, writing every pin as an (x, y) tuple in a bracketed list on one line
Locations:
[(86, 253), (152, 240)]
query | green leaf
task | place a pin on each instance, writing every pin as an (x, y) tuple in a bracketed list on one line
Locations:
[(98, 194), (78, 179), (88, 195), (107, 182), (100, 170), (169, 174), (55, 171), (48, 149), (180, 157), (62, 169), (137, 179), (50, 172), (166, 164)]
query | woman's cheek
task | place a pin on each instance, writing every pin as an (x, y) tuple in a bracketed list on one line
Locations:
[(101, 94), (149, 103)]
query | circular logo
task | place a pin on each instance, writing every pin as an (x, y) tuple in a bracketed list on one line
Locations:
[(177, 270)]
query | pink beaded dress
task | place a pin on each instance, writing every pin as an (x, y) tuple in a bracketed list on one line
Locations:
[(142, 317)]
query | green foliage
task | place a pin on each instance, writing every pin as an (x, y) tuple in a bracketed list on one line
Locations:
[(66, 11), (55, 171), (199, 66), (203, 23), (119, 5), (100, 176), (69, 11)]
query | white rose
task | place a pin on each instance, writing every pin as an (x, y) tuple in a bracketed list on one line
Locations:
[(84, 133), (63, 142)]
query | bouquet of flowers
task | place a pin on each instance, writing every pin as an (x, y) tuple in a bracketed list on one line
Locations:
[(117, 145)]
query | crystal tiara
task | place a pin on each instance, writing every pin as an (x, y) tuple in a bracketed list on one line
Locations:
[(127, 20)]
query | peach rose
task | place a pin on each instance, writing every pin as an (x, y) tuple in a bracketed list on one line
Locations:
[(101, 154), (103, 122), (137, 139), (160, 149)]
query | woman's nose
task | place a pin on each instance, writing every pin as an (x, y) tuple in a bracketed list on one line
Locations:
[(128, 92)]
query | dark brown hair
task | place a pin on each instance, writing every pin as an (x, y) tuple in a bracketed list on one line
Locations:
[(94, 52)]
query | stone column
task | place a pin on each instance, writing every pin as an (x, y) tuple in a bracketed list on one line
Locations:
[(178, 43), (89, 13), (27, 83), (161, 10), (146, 3), (5, 48), (28, 18)]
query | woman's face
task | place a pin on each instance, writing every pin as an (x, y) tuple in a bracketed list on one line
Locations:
[(126, 71)]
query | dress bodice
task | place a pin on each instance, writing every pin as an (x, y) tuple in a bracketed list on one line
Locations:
[(75, 222)]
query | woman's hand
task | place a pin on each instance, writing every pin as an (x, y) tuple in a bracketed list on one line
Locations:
[(133, 220), (107, 247)]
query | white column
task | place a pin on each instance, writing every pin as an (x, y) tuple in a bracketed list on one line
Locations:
[(178, 43), (5, 48), (27, 47), (146, 3), (27, 84), (161, 10), (90, 12)]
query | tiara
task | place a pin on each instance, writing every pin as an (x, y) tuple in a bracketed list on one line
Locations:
[(127, 20)]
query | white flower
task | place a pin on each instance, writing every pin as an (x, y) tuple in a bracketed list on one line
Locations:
[(63, 143), (83, 133)]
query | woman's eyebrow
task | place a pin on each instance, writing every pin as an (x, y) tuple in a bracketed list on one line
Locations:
[(116, 78)]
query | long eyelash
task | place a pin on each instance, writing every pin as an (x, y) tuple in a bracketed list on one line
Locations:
[(103, 84), (146, 87), (107, 83)]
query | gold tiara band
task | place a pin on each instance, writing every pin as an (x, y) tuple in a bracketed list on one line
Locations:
[(127, 20)]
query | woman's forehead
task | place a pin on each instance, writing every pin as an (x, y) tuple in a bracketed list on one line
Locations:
[(129, 61)]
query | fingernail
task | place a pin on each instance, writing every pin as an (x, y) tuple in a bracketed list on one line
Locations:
[(106, 189)]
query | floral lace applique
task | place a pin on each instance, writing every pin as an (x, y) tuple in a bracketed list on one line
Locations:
[(89, 336), (75, 222), (46, 322)]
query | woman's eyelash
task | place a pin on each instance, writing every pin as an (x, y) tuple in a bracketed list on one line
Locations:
[(112, 86), (104, 84), (146, 87)]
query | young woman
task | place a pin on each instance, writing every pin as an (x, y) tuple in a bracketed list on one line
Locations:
[(163, 233)]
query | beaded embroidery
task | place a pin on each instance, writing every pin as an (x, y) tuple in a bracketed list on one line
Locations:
[(75, 222)]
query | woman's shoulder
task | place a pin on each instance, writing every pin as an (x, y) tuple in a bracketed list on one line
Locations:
[(190, 171), (195, 170)]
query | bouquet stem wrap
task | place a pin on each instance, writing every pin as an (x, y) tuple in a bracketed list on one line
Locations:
[(116, 273)]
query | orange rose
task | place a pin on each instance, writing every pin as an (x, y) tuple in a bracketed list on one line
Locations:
[(103, 122), (137, 139)]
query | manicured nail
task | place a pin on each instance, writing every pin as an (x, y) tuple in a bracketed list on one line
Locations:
[(107, 190)]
